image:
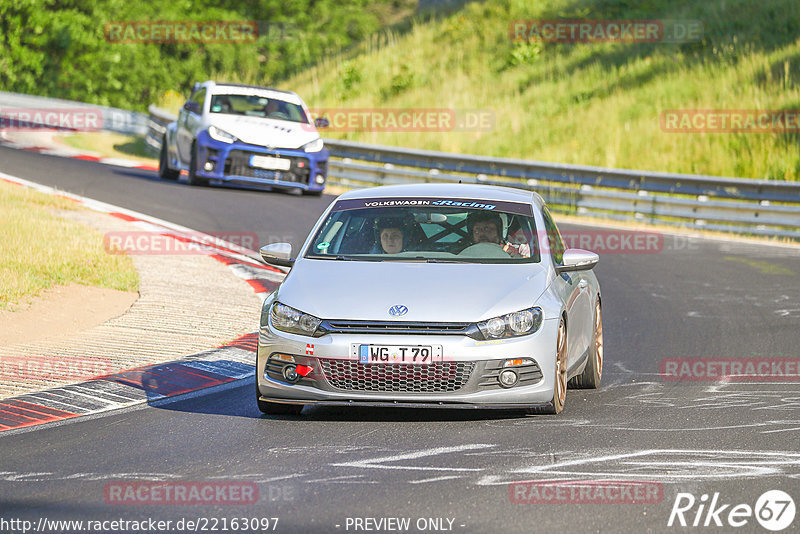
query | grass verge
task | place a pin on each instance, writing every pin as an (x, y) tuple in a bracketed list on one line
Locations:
[(111, 145), (588, 104), (41, 250)]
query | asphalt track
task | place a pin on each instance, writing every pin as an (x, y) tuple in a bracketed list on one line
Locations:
[(693, 298)]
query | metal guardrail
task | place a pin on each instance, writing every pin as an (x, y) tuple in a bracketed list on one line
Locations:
[(763, 207), (113, 119)]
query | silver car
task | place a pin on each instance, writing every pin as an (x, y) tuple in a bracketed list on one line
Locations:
[(431, 296)]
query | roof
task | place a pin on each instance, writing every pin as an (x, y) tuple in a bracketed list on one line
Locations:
[(245, 86), (446, 190), (242, 89)]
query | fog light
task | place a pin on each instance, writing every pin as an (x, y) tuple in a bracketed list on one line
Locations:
[(208, 166), (290, 373), (508, 378), (320, 179)]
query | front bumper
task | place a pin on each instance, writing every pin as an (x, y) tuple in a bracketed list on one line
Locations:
[(230, 163), (467, 376)]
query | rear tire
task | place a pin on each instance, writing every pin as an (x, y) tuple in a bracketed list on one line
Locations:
[(556, 405), (593, 372), (275, 408), (193, 178), (163, 163)]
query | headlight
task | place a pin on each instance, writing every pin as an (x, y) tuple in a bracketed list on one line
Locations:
[(220, 135), (515, 324), (314, 146), (287, 319)]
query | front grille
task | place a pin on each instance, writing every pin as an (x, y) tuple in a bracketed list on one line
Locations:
[(438, 377), (396, 327), (238, 164)]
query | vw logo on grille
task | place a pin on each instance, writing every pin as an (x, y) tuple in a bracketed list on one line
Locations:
[(398, 311)]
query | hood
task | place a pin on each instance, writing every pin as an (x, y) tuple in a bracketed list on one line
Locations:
[(266, 132), (448, 292)]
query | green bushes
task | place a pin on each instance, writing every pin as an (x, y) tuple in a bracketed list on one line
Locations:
[(58, 48)]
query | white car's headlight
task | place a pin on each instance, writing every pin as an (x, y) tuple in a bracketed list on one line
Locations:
[(515, 324), (287, 319), (314, 146), (220, 135)]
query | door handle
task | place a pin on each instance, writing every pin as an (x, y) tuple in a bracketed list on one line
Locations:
[(583, 284)]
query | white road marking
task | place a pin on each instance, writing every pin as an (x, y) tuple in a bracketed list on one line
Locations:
[(434, 479), (664, 465), (380, 463)]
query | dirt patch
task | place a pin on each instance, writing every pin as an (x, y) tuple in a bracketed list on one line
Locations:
[(61, 311)]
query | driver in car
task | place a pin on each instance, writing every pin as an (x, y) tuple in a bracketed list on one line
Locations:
[(484, 227), (487, 227)]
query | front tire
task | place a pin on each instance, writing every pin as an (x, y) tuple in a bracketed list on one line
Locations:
[(556, 405), (593, 372), (193, 178), (163, 163), (275, 408)]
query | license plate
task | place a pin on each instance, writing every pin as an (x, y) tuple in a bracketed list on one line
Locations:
[(268, 162), (410, 354)]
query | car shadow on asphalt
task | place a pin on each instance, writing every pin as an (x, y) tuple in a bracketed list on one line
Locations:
[(240, 401)]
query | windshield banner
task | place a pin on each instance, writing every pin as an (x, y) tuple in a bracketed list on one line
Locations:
[(518, 208)]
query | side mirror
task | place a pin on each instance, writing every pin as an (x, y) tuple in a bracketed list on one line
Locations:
[(576, 259), (321, 122), (277, 254)]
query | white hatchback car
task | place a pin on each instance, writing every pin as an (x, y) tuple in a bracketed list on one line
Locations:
[(431, 296), (246, 135)]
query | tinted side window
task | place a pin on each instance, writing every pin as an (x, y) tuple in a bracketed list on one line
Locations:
[(198, 98), (554, 236)]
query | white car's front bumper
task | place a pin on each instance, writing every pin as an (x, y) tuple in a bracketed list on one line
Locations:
[(467, 376)]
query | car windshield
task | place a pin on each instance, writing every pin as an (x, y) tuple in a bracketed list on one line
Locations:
[(427, 229), (258, 106)]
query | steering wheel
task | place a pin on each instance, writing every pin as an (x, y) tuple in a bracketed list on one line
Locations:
[(485, 250)]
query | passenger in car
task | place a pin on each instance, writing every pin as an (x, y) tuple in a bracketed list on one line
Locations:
[(391, 235)]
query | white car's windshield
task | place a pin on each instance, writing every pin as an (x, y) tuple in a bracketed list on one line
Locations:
[(428, 229), (258, 106)]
